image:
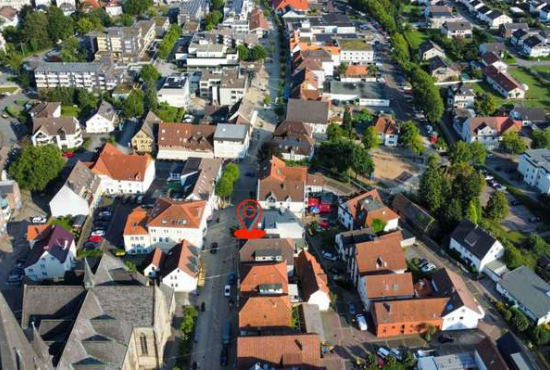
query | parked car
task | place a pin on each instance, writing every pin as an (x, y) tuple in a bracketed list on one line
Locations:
[(489, 177), (361, 322), (232, 278), (396, 353), (39, 220), (213, 248), (224, 357), (68, 154), (445, 338), (91, 245), (139, 200), (98, 232), (95, 238), (227, 290), (352, 310), (422, 262), (250, 174), (329, 256), (428, 267), (383, 352), (500, 187), (120, 253)]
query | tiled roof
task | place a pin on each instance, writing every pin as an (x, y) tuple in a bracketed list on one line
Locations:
[(54, 126), (55, 240), (182, 256), (385, 125), (122, 167), (473, 238), (367, 207), (389, 285), (293, 129), (502, 79), (301, 351), (380, 255), (490, 356), (135, 223), (450, 285), (186, 136), (257, 20), (155, 258), (499, 124), (178, 214), (33, 231), (280, 181), (256, 275), (356, 70), (292, 4), (311, 274), (265, 312), (409, 310), (267, 247)]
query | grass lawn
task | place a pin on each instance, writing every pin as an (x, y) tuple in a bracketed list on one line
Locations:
[(543, 71), (538, 94), (9, 89), (70, 111), (415, 38), (64, 222)]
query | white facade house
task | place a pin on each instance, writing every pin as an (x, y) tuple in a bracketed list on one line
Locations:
[(462, 311), (314, 280), (534, 46), (175, 91), (80, 194), (488, 130), (282, 224), (53, 253), (124, 173), (378, 288), (528, 292), (180, 268), (505, 84), (103, 120), (475, 245), (231, 141), (64, 132), (355, 51), (534, 166), (167, 224), (495, 19), (364, 209)]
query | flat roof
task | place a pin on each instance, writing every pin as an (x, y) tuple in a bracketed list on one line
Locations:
[(365, 90), (230, 132), (354, 44)]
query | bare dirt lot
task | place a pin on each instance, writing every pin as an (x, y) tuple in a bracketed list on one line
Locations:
[(396, 168)]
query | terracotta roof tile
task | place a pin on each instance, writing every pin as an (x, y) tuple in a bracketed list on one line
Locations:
[(177, 214), (255, 275), (182, 256), (280, 181), (409, 310), (265, 312), (156, 258), (199, 138), (135, 223), (311, 274), (385, 125), (280, 351), (367, 207), (381, 255), (389, 285), (119, 166), (34, 231), (356, 70), (490, 356)]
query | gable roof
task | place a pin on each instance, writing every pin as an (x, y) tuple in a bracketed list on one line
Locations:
[(529, 289), (429, 45), (255, 275), (106, 110), (413, 213), (356, 70), (388, 285), (34, 231), (148, 126), (367, 207), (55, 240), (184, 257), (54, 126), (473, 238), (83, 182), (119, 166), (199, 138), (385, 125), (458, 26), (178, 214), (293, 128), (201, 174), (311, 274), (290, 4), (136, 222), (44, 109), (257, 20), (450, 285), (503, 79), (309, 111), (533, 114), (490, 356), (409, 310), (281, 351), (267, 247), (500, 124), (155, 258), (265, 312), (278, 180), (380, 255)]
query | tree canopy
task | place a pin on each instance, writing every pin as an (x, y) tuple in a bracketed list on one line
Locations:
[(409, 135), (370, 138), (136, 7), (485, 104), (497, 208), (133, 106), (513, 143), (540, 139), (36, 167), (149, 74)]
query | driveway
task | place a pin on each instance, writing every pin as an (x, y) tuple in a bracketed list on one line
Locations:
[(11, 130)]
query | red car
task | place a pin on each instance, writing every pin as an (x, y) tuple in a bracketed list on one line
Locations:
[(95, 239), (324, 224), (68, 154)]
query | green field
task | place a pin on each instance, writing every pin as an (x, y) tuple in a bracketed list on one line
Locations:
[(9, 89), (538, 95), (543, 71), (415, 38), (70, 111)]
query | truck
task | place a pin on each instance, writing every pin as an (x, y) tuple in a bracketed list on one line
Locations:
[(226, 332)]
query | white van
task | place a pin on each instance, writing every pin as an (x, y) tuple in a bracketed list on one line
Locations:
[(361, 322)]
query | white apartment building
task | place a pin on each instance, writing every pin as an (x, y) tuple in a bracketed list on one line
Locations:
[(175, 91), (534, 166), (355, 51), (103, 120), (64, 132), (231, 141)]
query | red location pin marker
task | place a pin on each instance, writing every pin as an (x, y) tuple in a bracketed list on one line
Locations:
[(251, 211)]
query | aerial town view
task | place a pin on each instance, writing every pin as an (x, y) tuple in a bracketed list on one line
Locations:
[(274, 184)]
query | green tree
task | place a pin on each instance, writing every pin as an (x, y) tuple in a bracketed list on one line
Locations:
[(126, 20), (431, 182), (460, 153), (232, 172), (452, 213), (409, 361), (538, 245), (378, 225), (485, 104), (131, 266), (35, 31), (370, 138), (136, 7), (512, 143), (409, 135), (187, 326), (267, 100), (497, 208), (36, 167), (150, 99), (244, 53), (84, 26), (513, 257), (258, 52), (426, 95), (466, 185), (361, 161), (72, 51), (149, 74), (335, 131), (224, 187), (430, 331), (519, 321), (473, 213), (479, 153), (60, 27), (133, 106), (540, 139), (213, 19), (168, 42), (540, 335), (342, 68), (217, 4), (347, 122)]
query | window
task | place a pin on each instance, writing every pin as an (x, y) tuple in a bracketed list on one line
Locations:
[(143, 344)]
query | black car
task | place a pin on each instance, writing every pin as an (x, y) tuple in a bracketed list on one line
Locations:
[(90, 245), (224, 357), (214, 248), (445, 338)]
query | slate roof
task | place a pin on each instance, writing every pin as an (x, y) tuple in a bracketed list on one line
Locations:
[(182, 256), (357, 236), (450, 285), (458, 26), (429, 45), (533, 114), (307, 111), (473, 238), (56, 241), (529, 289)]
